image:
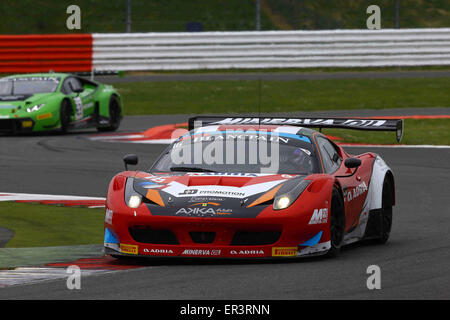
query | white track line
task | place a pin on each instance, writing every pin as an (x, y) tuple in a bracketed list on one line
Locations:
[(8, 196), (20, 276)]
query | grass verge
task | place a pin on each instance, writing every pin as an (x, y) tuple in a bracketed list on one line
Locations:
[(293, 70), (198, 97), (428, 131), (36, 225)]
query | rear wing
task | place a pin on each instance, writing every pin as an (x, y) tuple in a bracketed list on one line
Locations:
[(341, 123)]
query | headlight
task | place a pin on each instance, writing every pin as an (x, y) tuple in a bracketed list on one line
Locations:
[(36, 107), (285, 199), (132, 198), (281, 203), (134, 201)]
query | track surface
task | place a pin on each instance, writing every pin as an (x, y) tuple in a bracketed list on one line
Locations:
[(414, 264)]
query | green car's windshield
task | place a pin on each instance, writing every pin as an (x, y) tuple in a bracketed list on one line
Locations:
[(28, 85)]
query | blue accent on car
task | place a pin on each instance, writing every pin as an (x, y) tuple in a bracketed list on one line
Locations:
[(109, 237), (146, 183), (313, 241), (281, 134)]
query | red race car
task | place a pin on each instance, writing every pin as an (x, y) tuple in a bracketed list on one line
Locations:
[(252, 188)]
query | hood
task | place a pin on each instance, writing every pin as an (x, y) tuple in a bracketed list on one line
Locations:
[(211, 194), (9, 105)]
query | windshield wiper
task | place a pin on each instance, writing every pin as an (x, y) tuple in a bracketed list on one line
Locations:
[(189, 169)]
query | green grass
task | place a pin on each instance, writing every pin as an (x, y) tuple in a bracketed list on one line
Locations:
[(429, 131), (292, 70), (344, 14), (45, 16), (36, 225), (282, 96)]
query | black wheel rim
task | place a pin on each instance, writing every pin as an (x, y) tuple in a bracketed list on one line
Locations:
[(114, 113), (386, 211), (65, 116), (336, 223)]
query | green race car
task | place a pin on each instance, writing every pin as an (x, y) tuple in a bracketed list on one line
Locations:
[(57, 101)]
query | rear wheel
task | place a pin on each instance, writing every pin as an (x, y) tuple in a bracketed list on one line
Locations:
[(337, 223), (114, 115), (386, 211), (65, 115)]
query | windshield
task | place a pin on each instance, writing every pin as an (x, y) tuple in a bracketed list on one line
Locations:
[(28, 85), (240, 152)]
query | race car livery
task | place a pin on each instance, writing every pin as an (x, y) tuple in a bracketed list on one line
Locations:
[(57, 101), (214, 193)]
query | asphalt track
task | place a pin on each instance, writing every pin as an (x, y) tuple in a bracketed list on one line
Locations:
[(414, 264)]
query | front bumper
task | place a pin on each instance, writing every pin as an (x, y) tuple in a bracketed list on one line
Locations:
[(261, 237), (19, 125)]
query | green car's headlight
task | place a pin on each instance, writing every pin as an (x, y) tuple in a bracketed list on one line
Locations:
[(36, 107), (285, 199)]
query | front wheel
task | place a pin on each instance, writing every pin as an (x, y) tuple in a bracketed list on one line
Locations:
[(337, 223), (65, 115), (114, 115)]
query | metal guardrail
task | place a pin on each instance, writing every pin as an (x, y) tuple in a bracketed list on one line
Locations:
[(224, 50), (271, 49), (41, 53)]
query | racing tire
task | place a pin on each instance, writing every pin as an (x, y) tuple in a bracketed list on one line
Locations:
[(337, 223), (65, 114), (114, 115), (386, 211)]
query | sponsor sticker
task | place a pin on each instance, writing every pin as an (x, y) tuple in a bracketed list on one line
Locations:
[(158, 251), (284, 252), (222, 211), (249, 252), (205, 199), (128, 248), (108, 216), (202, 252), (203, 211), (188, 191), (27, 124), (319, 216), (357, 191), (44, 116)]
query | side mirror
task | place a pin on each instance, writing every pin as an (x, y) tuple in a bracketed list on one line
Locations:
[(352, 163), (130, 159), (76, 89)]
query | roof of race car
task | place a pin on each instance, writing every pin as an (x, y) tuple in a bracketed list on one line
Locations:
[(36, 75)]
